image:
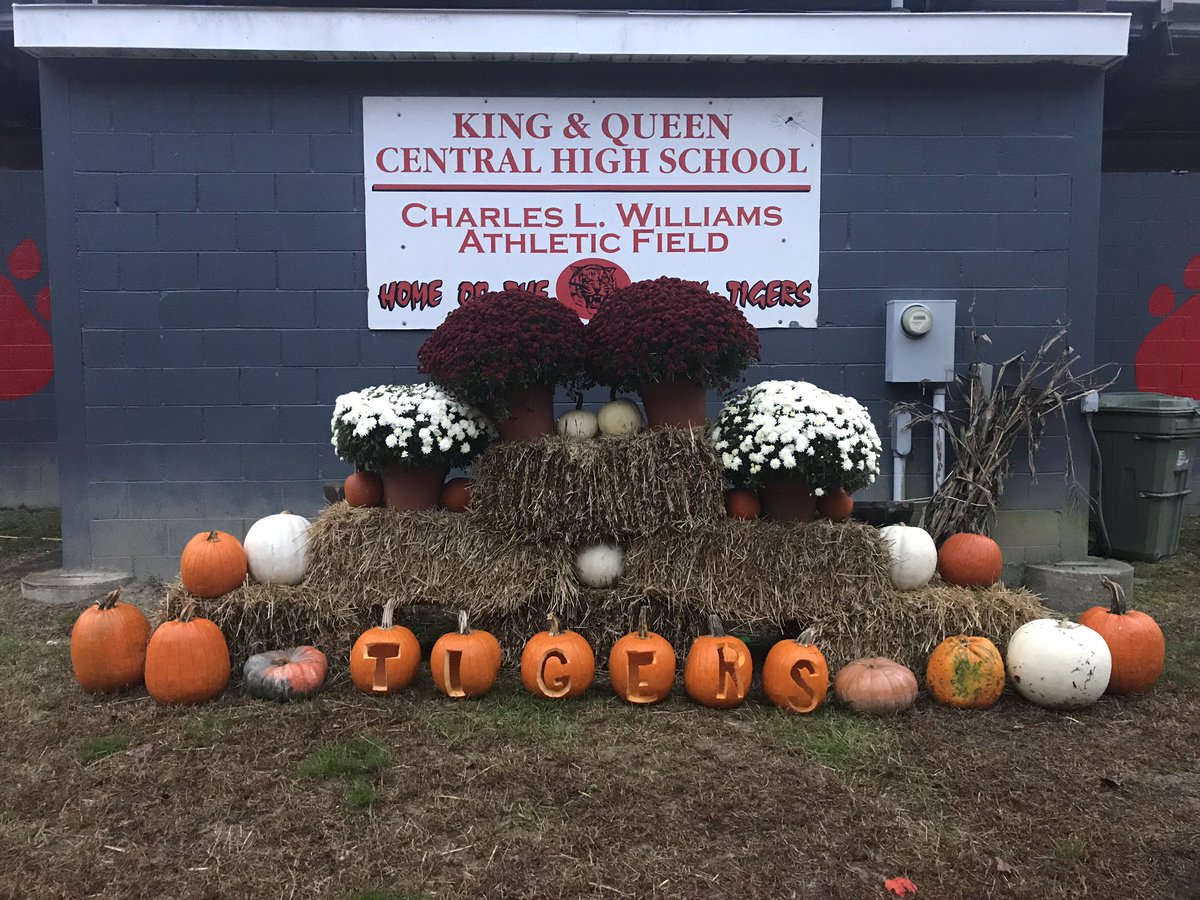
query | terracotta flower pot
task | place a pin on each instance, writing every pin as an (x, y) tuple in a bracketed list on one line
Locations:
[(408, 488), (788, 500), (530, 414), (677, 403)]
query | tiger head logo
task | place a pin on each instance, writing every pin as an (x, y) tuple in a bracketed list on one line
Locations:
[(591, 284)]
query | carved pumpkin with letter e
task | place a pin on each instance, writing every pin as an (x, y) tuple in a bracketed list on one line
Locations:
[(719, 668), (465, 663), (384, 660), (557, 664), (795, 675), (641, 665)]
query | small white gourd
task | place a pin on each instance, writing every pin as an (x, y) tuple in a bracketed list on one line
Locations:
[(620, 418), (277, 549), (1058, 663), (579, 424), (914, 555), (600, 565)]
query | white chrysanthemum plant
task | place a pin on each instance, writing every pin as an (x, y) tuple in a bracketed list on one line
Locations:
[(793, 429), (411, 425)]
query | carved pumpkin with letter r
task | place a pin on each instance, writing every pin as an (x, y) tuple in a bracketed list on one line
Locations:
[(719, 668), (557, 664), (384, 660), (795, 675)]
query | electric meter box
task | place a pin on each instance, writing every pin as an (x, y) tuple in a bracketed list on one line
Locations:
[(920, 341)]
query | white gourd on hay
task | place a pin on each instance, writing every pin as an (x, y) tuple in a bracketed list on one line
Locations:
[(277, 549), (1058, 663), (914, 555), (620, 418), (579, 424), (600, 565)]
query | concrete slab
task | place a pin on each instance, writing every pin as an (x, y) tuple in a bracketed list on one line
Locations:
[(1072, 586), (60, 586)]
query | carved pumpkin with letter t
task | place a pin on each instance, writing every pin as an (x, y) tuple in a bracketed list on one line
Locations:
[(384, 660), (465, 663), (795, 675), (641, 665), (557, 664), (719, 668)]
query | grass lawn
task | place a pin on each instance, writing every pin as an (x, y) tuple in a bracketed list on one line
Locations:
[(418, 797)]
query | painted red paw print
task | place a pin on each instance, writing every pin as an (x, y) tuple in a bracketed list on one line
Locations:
[(1168, 361), (26, 354)]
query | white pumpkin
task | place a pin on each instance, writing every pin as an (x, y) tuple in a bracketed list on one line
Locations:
[(580, 424), (914, 555), (620, 417), (1058, 663), (600, 565), (277, 549)]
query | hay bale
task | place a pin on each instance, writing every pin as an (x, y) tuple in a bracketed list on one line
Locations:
[(558, 490)]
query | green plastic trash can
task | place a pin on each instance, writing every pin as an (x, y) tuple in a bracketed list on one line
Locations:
[(1147, 443)]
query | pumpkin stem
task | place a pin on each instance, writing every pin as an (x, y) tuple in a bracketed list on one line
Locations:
[(612, 393), (463, 627), (1118, 607), (189, 610), (213, 537), (807, 636), (110, 599), (389, 610), (715, 628), (643, 629), (555, 626)]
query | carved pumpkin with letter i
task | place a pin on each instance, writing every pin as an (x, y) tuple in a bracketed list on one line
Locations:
[(557, 664), (795, 674), (465, 663), (108, 645), (384, 660), (641, 665), (719, 669), (187, 660), (1134, 639)]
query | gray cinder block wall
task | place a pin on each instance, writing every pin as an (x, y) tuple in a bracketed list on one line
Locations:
[(28, 452), (217, 302), (1149, 235)]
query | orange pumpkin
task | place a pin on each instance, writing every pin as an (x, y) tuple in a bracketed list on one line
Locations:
[(557, 664), (641, 665), (965, 672), (835, 504), (795, 674), (108, 645), (742, 504), (213, 564), (285, 674), (187, 660), (465, 663), (719, 669), (876, 686), (1134, 639), (456, 495), (364, 489), (385, 659), (970, 560)]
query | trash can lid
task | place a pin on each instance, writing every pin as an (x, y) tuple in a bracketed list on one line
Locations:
[(1148, 404)]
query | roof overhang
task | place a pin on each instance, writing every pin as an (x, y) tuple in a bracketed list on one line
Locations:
[(276, 33)]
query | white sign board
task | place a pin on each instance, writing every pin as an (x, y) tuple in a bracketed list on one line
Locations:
[(572, 197)]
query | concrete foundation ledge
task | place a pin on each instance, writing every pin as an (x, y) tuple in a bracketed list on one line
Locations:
[(1074, 585), (60, 586)]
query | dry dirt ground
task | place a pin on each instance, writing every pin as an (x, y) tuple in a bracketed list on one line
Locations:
[(417, 797)]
